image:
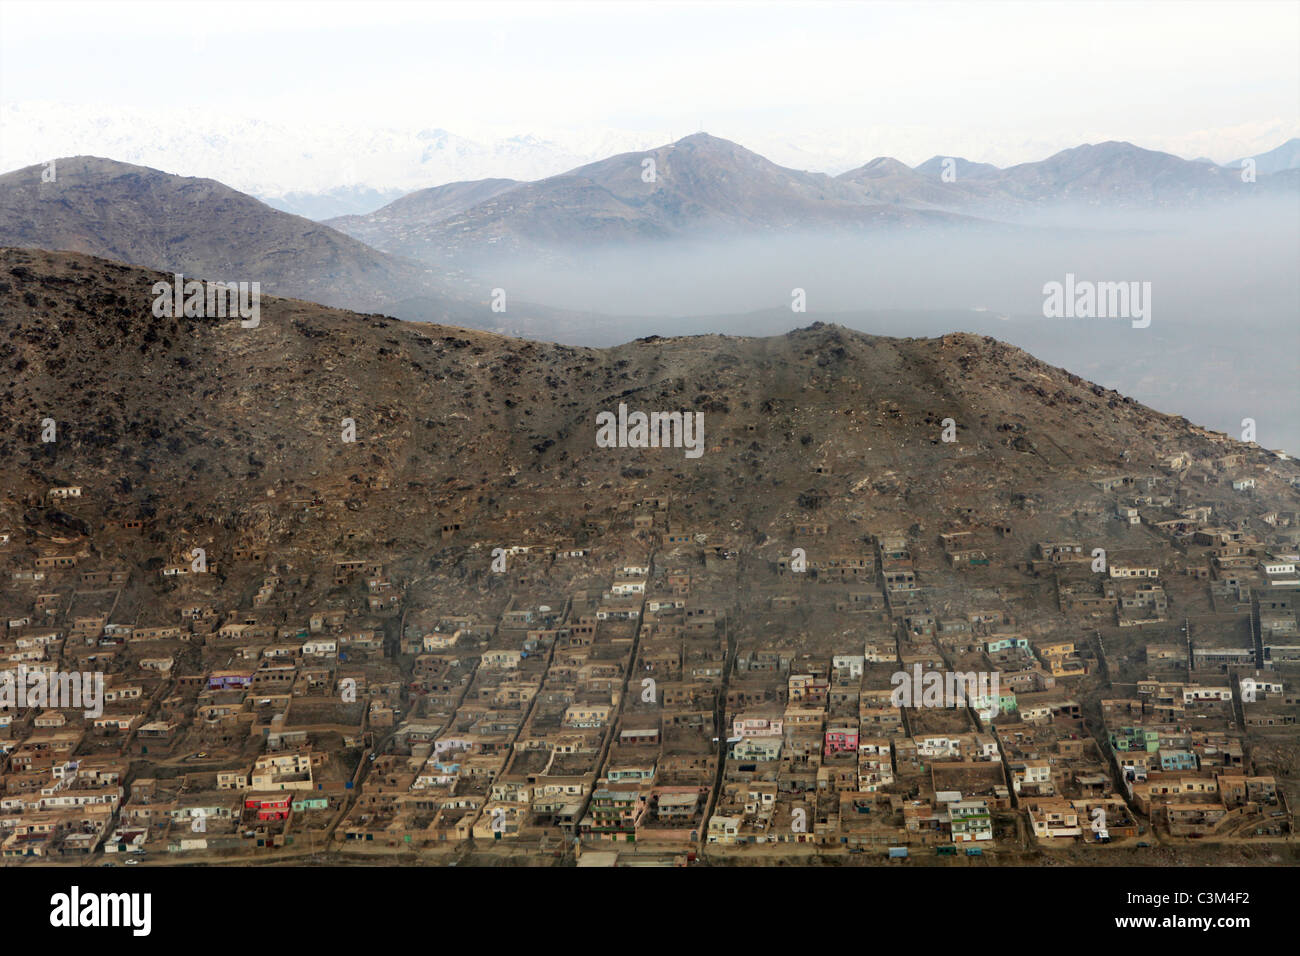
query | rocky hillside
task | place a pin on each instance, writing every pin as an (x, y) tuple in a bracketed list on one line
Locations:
[(197, 227), (188, 420), (200, 228)]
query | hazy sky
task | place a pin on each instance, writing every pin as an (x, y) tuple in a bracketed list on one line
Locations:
[(1001, 82)]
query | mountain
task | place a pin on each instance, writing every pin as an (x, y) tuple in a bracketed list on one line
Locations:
[(322, 169), (331, 203), (1111, 174), (451, 421), (702, 186), (439, 254), (196, 227), (1116, 174), (413, 217), (1107, 175), (1284, 157), (199, 227), (706, 187), (889, 181), (885, 179), (310, 168), (964, 168)]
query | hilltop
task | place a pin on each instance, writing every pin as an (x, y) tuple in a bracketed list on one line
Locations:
[(186, 418)]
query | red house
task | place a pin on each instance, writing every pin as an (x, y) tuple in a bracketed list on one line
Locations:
[(273, 807)]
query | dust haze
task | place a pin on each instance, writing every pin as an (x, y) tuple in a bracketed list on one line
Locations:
[(1222, 345)]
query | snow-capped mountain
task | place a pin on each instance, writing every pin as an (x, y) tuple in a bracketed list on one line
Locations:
[(312, 170), (327, 170)]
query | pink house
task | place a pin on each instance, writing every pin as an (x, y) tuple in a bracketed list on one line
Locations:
[(841, 740)]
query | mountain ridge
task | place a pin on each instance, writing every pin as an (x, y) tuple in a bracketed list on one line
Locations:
[(254, 414), (195, 226), (184, 224), (725, 188)]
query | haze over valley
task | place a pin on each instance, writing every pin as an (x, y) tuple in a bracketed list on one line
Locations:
[(703, 235)]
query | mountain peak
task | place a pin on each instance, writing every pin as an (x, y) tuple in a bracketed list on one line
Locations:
[(879, 167), (964, 168), (705, 139)]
